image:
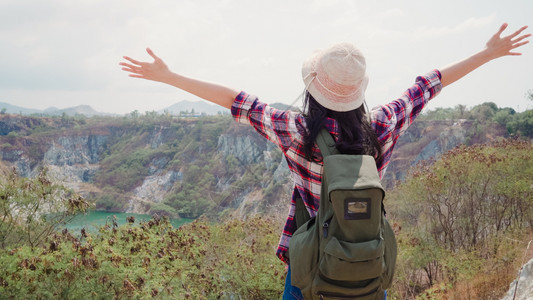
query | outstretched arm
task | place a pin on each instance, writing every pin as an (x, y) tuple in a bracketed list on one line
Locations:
[(159, 71), (496, 47)]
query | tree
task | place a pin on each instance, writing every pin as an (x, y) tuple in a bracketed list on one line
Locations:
[(31, 209), (484, 111), (504, 116), (521, 124), (461, 109), (134, 115), (455, 212), (470, 204)]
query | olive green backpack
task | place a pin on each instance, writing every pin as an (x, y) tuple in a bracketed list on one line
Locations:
[(348, 250)]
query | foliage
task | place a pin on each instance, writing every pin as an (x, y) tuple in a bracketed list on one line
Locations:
[(484, 115), (125, 171), (521, 124), (196, 261), (32, 208), (110, 199), (162, 209), (460, 212)]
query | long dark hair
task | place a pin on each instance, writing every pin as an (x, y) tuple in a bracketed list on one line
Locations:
[(356, 135)]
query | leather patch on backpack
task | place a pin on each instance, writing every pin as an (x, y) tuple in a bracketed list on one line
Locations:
[(357, 208)]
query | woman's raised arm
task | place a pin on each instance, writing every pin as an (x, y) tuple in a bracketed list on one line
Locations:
[(496, 47), (160, 72)]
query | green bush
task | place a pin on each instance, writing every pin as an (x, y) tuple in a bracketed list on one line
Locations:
[(162, 209), (196, 261)]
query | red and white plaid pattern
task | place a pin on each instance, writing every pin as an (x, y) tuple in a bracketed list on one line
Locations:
[(286, 130)]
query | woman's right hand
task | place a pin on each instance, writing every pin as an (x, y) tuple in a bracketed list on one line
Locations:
[(156, 70), (159, 71)]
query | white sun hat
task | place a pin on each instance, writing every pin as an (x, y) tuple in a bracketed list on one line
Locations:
[(336, 77)]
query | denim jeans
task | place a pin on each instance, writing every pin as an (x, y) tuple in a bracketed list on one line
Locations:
[(291, 292)]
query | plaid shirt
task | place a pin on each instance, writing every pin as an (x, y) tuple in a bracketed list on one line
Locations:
[(287, 128)]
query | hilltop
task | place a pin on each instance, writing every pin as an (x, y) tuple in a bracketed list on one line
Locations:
[(188, 165)]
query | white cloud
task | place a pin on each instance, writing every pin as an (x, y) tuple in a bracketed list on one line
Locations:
[(467, 27), (391, 13), (71, 49)]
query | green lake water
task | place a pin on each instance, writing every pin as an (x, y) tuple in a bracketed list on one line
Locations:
[(92, 220)]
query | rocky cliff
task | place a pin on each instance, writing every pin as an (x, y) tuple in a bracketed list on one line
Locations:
[(426, 140), (137, 164)]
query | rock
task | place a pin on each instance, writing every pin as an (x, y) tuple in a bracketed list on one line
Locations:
[(74, 159), (282, 173), (23, 166), (430, 147), (156, 139), (20, 161), (153, 189), (450, 138), (247, 149), (73, 174), (75, 150), (524, 290)]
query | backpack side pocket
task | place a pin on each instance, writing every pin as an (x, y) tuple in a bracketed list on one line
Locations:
[(303, 255), (391, 252)]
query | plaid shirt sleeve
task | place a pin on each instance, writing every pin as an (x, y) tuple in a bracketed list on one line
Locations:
[(278, 126), (392, 120)]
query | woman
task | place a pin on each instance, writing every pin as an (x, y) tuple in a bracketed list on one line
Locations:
[(335, 81)]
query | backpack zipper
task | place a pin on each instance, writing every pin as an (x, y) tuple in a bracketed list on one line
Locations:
[(325, 227)]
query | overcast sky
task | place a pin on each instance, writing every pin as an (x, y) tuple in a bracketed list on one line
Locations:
[(64, 53)]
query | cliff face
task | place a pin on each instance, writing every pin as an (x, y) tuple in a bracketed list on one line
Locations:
[(159, 158), (246, 149), (425, 140), (165, 160), (269, 184), (74, 159), (69, 159)]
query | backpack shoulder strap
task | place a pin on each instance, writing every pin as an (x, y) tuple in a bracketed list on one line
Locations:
[(326, 143)]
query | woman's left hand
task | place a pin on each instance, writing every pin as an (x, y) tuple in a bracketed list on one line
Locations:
[(499, 46), (496, 47)]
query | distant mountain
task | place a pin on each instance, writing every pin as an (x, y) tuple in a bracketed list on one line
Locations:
[(85, 110), (13, 109), (182, 107), (51, 109), (204, 107), (196, 107)]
